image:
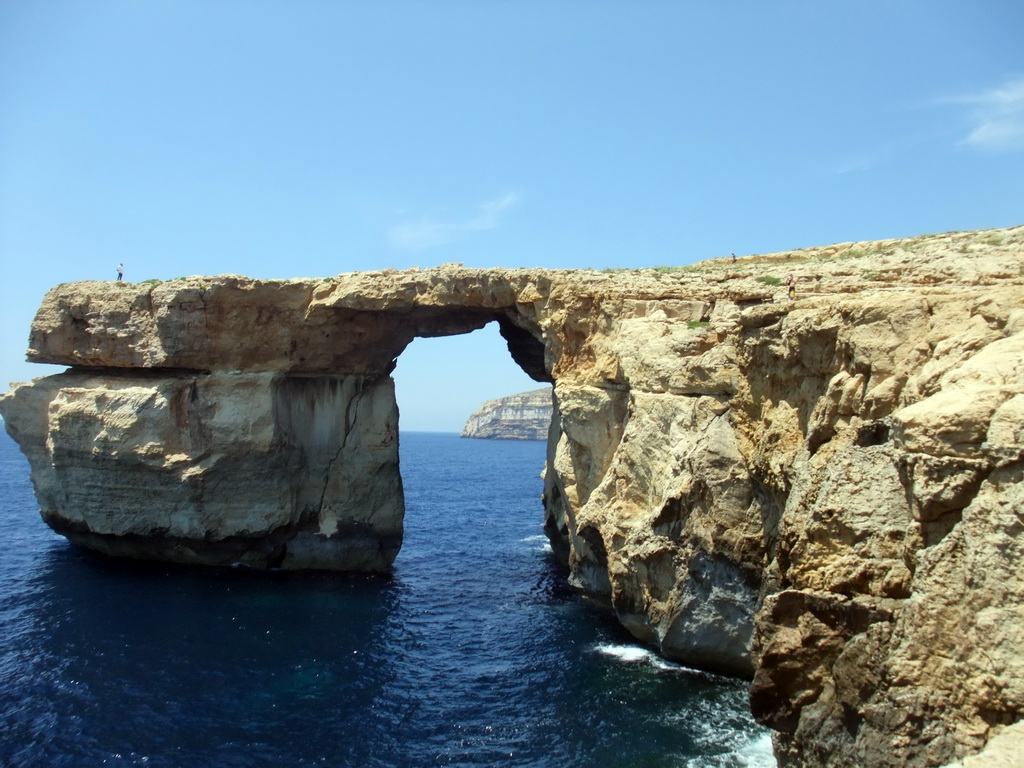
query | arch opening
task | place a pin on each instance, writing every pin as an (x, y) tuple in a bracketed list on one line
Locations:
[(440, 381)]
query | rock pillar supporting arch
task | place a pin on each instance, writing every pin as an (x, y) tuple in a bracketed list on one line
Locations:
[(261, 469)]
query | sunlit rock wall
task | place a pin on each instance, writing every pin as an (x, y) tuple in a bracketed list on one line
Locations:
[(257, 469)]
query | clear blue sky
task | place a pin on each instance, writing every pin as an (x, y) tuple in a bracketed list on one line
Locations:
[(307, 138)]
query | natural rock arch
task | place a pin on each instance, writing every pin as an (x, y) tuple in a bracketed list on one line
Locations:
[(256, 422)]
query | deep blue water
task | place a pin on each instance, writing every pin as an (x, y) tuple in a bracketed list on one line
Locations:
[(475, 652)]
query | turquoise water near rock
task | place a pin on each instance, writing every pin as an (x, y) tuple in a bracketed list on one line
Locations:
[(474, 652)]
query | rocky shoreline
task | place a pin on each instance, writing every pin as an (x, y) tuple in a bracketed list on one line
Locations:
[(822, 490)]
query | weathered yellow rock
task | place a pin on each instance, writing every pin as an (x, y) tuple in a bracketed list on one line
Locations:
[(825, 493)]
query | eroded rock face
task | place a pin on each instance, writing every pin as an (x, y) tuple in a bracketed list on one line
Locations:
[(893, 600), (824, 494), (261, 469)]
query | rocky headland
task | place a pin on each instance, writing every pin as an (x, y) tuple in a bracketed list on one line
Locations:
[(824, 493), (525, 416)]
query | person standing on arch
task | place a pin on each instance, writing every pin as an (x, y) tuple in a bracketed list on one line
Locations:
[(120, 271)]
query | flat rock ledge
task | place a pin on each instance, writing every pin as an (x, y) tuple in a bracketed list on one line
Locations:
[(822, 492)]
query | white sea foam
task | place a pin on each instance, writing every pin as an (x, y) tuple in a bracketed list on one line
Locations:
[(540, 542), (734, 737), (627, 653), (753, 752), (758, 752), (634, 653), (739, 741)]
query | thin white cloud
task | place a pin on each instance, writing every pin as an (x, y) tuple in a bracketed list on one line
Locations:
[(427, 232), (996, 117), (987, 121), (856, 163)]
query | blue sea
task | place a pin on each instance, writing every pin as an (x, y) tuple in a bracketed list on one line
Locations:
[(474, 652)]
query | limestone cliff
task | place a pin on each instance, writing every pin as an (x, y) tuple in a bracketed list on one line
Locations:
[(822, 492), (526, 416)]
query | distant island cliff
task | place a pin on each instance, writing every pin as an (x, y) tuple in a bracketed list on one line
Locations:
[(525, 416)]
